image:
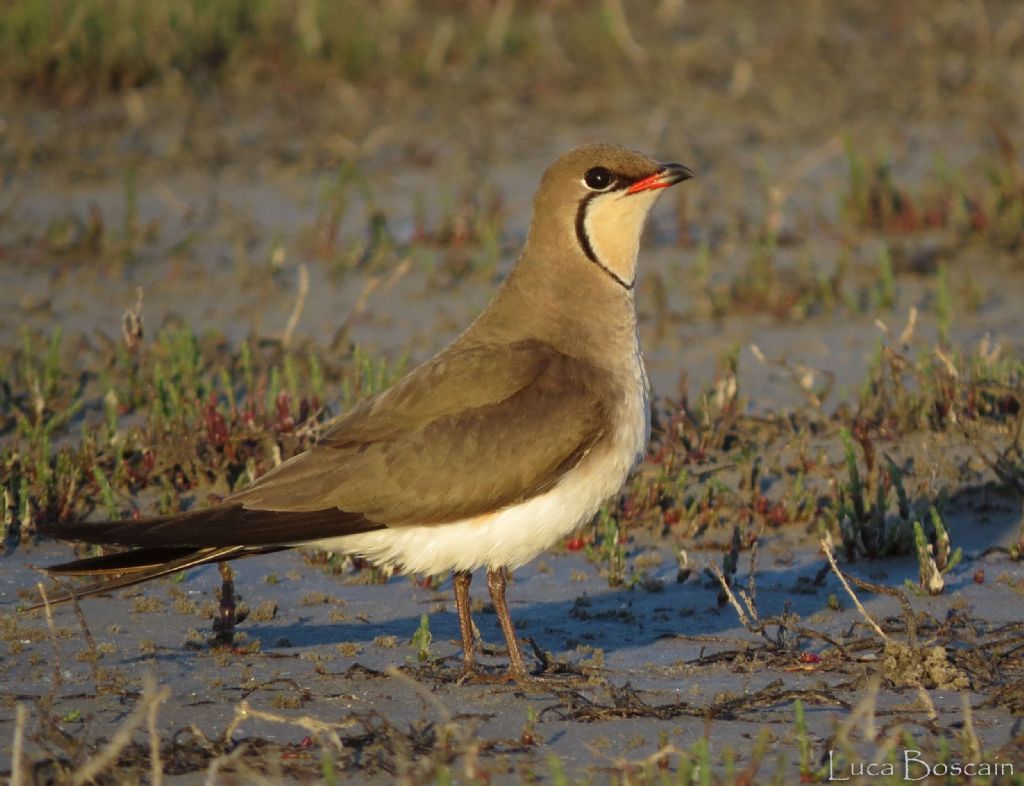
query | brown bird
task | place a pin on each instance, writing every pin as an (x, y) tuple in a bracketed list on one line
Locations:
[(483, 456)]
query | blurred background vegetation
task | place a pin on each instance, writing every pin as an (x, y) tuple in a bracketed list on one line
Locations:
[(65, 49), (71, 50)]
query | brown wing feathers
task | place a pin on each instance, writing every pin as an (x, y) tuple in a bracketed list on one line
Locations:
[(227, 524), (523, 413), (168, 544), (471, 432)]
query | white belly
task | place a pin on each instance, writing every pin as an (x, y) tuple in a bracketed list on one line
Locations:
[(514, 535)]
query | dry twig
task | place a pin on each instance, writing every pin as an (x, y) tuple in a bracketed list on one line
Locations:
[(58, 668), (156, 766), (17, 756), (744, 619), (300, 303), (827, 548), (245, 711), (90, 642), (151, 697)]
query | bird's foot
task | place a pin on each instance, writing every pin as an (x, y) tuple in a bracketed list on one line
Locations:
[(224, 622)]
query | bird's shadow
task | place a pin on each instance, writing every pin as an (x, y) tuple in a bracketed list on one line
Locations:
[(621, 619)]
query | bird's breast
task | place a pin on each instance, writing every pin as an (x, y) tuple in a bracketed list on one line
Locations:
[(633, 422)]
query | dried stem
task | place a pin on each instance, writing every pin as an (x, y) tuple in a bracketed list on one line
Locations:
[(865, 710), (300, 303), (58, 668), (849, 591), (90, 642), (151, 697), (17, 773), (971, 742), (216, 764), (156, 766), (744, 619), (244, 712)]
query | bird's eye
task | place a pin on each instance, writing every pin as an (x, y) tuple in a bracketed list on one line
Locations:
[(598, 178)]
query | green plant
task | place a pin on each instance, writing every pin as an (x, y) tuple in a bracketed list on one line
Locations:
[(867, 527), (934, 557), (886, 292), (943, 304), (421, 639), (607, 548), (557, 771)]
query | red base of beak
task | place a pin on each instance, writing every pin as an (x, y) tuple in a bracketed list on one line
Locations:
[(668, 175)]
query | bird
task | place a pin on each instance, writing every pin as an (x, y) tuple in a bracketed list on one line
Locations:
[(484, 455)]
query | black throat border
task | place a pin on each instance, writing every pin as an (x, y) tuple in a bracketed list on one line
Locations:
[(584, 240)]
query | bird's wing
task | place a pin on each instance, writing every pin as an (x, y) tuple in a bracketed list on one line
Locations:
[(469, 432), (463, 435), (226, 525)]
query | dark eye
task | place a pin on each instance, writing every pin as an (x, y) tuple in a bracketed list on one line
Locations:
[(598, 178)]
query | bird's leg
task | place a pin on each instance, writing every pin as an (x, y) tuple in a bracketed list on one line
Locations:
[(461, 579), (496, 586), (224, 624)]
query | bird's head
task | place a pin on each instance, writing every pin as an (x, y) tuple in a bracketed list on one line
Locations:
[(595, 199)]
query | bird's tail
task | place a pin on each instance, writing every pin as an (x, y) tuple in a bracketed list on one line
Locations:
[(162, 545), (135, 567)]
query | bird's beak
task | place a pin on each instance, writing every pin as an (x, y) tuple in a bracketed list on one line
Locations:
[(667, 175)]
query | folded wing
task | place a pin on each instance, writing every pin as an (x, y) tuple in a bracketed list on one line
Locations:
[(473, 430)]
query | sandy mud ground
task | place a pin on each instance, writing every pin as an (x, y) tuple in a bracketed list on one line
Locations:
[(831, 316)]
